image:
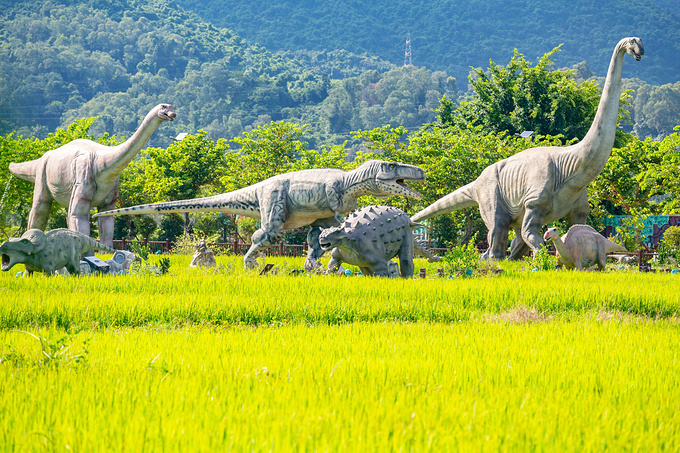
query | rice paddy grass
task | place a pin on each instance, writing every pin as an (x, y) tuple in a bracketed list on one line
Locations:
[(228, 360)]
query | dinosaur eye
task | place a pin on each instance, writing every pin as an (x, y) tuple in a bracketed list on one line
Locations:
[(391, 165)]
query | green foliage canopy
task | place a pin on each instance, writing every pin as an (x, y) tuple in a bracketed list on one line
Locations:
[(520, 97)]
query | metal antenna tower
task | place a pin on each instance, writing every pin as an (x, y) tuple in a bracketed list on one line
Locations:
[(407, 51)]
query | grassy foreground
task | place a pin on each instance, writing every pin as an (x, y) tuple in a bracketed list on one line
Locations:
[(228, 360)]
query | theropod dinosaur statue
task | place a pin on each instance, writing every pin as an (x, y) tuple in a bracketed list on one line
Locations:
[(544, 184), (292, 200), (371, 237), (83, 174), (49, 251), (582, 247)]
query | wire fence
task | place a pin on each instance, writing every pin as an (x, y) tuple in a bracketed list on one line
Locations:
[(639, 258), (220, 248)]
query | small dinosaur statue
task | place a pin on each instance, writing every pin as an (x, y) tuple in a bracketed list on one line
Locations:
[(582, 247), (544, 184), (49, 251), (292, 200), (370, 238), (203, 256), (83, 174)]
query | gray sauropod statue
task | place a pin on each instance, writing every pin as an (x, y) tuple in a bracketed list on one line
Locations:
[(544, 184), (582, 247), (314, 197), (49, 251), (83, 174), (371, 237)]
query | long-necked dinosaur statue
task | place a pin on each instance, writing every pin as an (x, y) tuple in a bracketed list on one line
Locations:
[(544, 184), (582, 247), (83, 174), (292, 200)]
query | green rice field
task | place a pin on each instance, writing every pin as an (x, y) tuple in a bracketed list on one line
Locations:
[(227, 360)]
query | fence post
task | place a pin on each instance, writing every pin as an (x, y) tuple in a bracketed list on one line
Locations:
[(235, 246), (123, 242), (281, 249), (167, 245)]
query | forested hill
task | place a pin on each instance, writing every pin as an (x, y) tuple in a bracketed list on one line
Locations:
[(62, 60), (453, 35)]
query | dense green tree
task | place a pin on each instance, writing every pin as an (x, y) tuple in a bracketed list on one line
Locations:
[(264, 152), (520, 97), (406, 96), (657, 110), (661, 174)]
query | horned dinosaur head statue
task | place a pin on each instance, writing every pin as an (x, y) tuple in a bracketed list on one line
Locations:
[(15, 250), (390, 178), (165, 112), (633, 47)]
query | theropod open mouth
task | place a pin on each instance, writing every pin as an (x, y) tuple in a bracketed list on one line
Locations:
[(401, 182), (5, 262)]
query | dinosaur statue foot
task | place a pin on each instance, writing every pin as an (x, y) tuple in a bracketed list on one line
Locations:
[(311, 264), (250, 263)]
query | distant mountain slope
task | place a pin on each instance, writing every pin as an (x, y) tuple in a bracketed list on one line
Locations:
[(62, 60), (453, 35)]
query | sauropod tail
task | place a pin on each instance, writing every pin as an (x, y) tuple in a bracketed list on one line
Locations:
[(458, 199), (421, 249), (24, 170), (614, 247), (99, 246)]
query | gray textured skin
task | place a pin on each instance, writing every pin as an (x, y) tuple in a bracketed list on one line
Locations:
[(544, 184), (582, 247), (372, 236), (49, 251), (121, 261), (83, 174), (291, 200), (203, 256)]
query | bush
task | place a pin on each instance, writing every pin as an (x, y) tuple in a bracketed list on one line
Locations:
[(462, 260), (543, 260), (630, 233), (669, 247)]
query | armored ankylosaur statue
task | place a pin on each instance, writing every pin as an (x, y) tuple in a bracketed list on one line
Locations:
[(292, 200), (541, 185), (371, 237), (83, 174)]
